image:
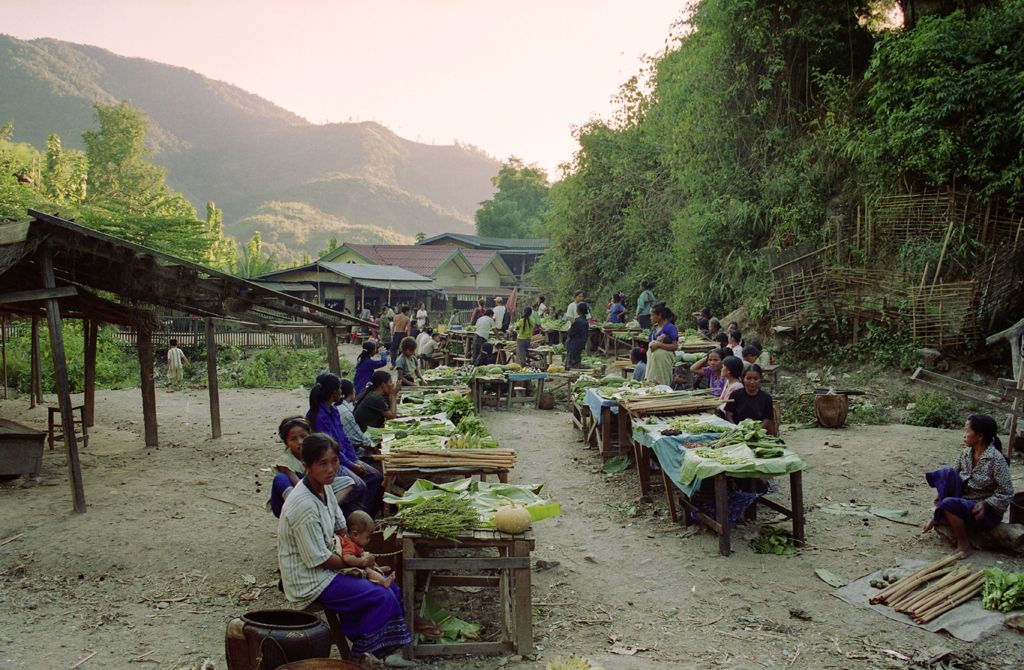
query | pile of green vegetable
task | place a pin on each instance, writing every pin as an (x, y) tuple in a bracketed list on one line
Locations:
[(443, 516), (400, 429), (754, 435), (548, 323), (1003, 590), (773, 541), (715, 455), (417, 442), (695, 425), (472, 425), (455, 405)]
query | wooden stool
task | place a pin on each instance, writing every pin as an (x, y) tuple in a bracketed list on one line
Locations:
[(340, 641), (76, 424)]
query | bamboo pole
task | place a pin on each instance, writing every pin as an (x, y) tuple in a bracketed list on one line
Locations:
[(903, 583)]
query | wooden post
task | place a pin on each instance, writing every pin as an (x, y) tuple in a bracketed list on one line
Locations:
[(35, 393), (211, 378), (91, 328), (331, 342), (3, 347), (145, 341), (60, 376)]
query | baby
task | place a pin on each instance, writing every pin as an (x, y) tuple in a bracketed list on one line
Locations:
[(360, 529)]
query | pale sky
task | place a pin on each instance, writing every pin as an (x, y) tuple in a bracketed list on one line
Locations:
[(511, 77)]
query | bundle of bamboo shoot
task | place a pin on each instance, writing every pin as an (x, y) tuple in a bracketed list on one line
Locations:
[(669, 403), (450, 458), (951, 587)]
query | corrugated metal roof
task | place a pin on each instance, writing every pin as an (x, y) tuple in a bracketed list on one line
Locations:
[(285, 286), (398, 285), (421, 259), (383, 273), (537, 244)]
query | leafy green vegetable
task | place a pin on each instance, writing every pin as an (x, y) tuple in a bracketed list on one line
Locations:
[(773, 541), (1003, 590)]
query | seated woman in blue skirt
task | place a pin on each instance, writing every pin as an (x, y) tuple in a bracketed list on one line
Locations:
[(371, 615), (976, 491)]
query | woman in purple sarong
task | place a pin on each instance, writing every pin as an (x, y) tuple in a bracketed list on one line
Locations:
[(371, 615), (976, 491)]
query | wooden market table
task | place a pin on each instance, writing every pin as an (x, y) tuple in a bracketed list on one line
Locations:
[(610, 344), (513, 583), (395, 474), (720, 524), (478, 385)]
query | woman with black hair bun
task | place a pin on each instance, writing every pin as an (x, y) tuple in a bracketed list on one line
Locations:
[(664, 340), (976, 491)]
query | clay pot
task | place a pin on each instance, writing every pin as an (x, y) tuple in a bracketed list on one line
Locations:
[(267, 639), (830, 410)]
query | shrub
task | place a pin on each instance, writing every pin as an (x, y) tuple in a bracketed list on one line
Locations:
[(935, 411)]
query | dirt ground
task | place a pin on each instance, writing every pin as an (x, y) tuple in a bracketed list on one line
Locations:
[(174, 536)]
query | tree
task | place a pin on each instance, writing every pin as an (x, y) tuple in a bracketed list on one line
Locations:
[(65, 173), (421, 236), (117, 154), (520, 204), (223, 254), (252, 263)]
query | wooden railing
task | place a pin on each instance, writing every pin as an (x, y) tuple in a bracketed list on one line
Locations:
[(243, 339)]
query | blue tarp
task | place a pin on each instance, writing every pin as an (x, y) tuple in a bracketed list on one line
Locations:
[(595, 401), (525, 376), (669, 449)]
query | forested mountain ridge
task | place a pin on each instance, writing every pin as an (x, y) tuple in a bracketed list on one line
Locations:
[(221, 143)]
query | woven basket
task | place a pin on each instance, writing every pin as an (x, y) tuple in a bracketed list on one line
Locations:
[(830, 410)]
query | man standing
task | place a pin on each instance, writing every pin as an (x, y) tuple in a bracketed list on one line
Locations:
[(570, 311), (499, 313)]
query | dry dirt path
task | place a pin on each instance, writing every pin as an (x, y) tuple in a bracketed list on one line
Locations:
[(175, 535)]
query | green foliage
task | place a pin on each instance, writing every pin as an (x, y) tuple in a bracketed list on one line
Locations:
[(279, 367), (883, 343), (947, 101), (936, 411), (775, 541), (252, 262), (223, 251), (118, 156), (117, 365), (519, 205)]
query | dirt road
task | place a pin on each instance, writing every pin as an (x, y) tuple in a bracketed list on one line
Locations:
[(175, 536)]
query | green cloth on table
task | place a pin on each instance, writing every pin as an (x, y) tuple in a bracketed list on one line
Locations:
[(669, 449), (696, 467)]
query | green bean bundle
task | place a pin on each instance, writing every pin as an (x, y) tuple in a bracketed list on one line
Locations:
[(441, 516)]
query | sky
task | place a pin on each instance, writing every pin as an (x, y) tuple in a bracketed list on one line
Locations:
[(512, 78)]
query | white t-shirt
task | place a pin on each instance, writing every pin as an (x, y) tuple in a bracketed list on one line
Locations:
[(421, 318), (499, 315), (421, 342), (570, 312), (541, 310), (738, 351), (175, 357), (484, 326)]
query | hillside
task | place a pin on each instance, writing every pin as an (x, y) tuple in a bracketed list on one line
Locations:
[(221, 143), (293, 226)]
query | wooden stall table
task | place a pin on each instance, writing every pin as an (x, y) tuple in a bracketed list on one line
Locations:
[(544, 355), (524, 378), (393, 475), (720, 524), (513, 583), (554, 381), (605, 412), (479, 391)]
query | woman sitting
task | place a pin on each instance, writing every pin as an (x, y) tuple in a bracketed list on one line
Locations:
[(576, 338), (976, 491), (365, 365), (750, 402), (377, 403), (324, 417), (346, 408), (732, 372), (371, 615), (710, 367), (664, 340)]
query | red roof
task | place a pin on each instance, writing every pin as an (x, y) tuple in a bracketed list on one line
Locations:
[(479, 258), (424, 260)]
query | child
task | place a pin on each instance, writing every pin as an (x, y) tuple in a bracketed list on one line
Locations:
[(751, 354), (365, 365), (679, 378), (408, 373), (360, 529), (175, 358), (734, 343), (732, 373), (639, 358), (288, 469)]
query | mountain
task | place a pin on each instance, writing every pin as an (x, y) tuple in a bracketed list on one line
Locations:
[(265, 166)]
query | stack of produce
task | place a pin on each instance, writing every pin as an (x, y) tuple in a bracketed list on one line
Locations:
[(695, 425), (446, 376), (946, 585), (676, 402), (551, 324), (444, 517), (486, 499), (752, 434)]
